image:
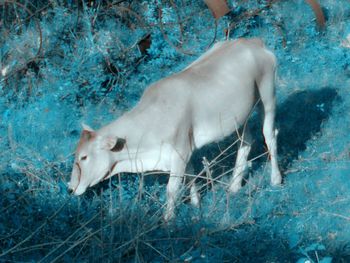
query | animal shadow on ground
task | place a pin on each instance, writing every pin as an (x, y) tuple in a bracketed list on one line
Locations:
[(298, 118)]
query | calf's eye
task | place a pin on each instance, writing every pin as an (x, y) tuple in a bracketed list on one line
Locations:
[(83, 158)]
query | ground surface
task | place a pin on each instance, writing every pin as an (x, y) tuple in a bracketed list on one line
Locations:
[(63, 64)]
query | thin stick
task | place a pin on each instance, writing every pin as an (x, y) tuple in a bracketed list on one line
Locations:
[(67, 239), (336, 215), (76, 244), (321, 21), (33, 233)]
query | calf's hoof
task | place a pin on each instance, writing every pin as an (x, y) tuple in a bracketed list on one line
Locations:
[(234, 188), (276, 179), (168, 216)]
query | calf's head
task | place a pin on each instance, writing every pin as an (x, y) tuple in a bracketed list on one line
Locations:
[(94, 159)]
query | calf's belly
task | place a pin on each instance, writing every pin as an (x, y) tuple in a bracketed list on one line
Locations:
[(220, 120)]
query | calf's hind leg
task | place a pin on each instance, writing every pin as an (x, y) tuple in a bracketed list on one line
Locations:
[(267, 94)]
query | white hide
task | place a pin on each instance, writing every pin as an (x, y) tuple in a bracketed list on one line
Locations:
[(208, 100)]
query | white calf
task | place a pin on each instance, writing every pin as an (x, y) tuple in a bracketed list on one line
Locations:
[(208, 100)]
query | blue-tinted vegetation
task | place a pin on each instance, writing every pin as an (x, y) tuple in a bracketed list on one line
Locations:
[(67, 62)]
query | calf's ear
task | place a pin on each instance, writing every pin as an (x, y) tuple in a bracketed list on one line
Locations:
[(119, 145), (88, 133), (86, 127), (114, 144)]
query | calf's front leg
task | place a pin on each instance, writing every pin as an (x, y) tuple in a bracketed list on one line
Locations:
[(178, 166)]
